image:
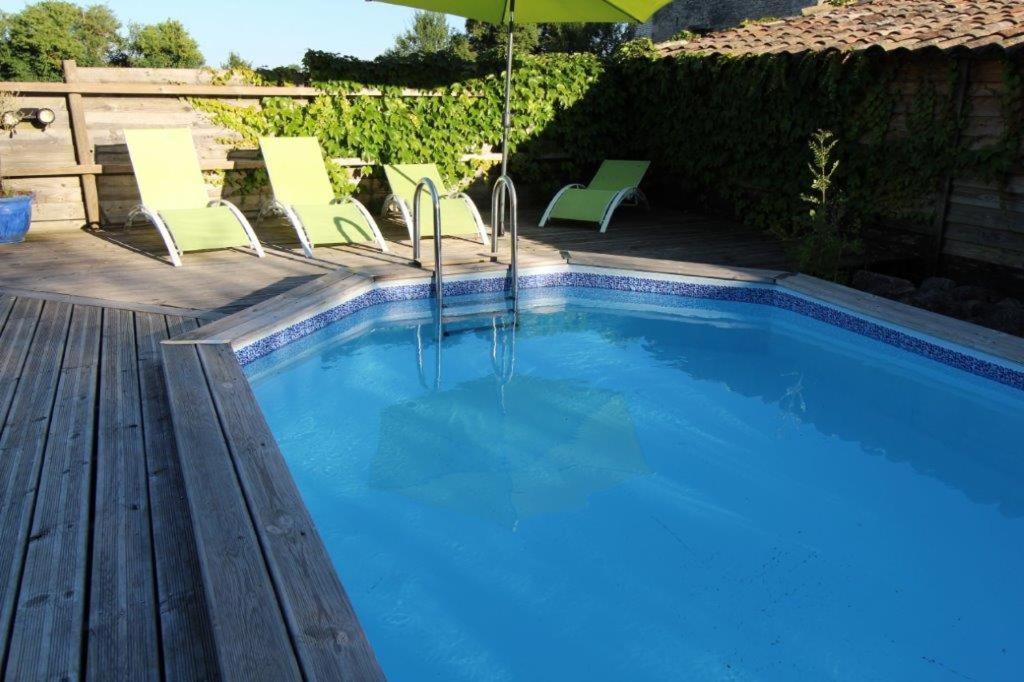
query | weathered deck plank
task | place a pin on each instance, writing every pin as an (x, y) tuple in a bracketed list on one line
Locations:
[(239, 323), (330, 643), (21, 450), (130, 266), (47, 633), (186, 637), (14, 344), (249, 629), (91, 301), (6, 304), (123, 622)]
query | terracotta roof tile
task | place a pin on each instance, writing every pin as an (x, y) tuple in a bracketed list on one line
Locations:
[(887, 24)]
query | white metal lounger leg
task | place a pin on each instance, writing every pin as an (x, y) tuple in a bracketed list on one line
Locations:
[(399, 203), (153, 217), (275, 207), (269, 208), (614, 204), (641, 199), (369, 221), (547, 213), (300, 230), (475, 213), (253, 241)]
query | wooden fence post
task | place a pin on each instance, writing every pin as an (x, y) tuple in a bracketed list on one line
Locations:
[(963, 81), (84, 152)]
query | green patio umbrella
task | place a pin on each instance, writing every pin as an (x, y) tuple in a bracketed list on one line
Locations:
[(510, 12)]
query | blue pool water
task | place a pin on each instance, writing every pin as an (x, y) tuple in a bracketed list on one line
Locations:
[(727, 491)]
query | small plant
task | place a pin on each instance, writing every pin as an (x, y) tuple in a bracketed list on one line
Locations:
[(758, 21), (15, 206), (829, 234), (685, 35), (8, 102), (822, 169), (832, 233)]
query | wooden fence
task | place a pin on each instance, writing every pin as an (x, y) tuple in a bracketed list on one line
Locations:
[(984, 219), (978, 220), (79, 167)]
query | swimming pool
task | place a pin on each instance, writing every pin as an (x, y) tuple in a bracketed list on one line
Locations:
[(725, 484)]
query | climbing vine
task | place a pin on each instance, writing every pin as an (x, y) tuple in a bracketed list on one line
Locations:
[(449, 124), (733, 132)]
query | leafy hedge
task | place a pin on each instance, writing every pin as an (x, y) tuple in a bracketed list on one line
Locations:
[(463, 119), (732, 131)]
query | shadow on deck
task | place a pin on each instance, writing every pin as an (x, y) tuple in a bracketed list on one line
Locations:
[(130, 266)]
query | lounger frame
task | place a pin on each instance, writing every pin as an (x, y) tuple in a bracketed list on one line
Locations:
[(634, 194), (393, 201), (153, 216), (275, 207)]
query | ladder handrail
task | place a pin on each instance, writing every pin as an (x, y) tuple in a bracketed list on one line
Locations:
[(435, 199), (505, 189)]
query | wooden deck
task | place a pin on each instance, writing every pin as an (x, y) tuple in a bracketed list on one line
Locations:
[(132, 268), (98, 570), (105, 571)]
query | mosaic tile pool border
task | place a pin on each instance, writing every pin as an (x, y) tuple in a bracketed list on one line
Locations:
[(763, 294)]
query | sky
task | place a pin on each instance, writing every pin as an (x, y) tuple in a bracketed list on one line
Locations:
[(270, 33)]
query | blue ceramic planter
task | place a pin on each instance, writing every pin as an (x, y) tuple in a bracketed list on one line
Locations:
[(15, 217)]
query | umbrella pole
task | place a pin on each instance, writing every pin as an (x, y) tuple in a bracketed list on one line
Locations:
[(506, 119)]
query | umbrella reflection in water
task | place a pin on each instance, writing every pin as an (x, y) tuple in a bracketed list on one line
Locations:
[(527, 445)]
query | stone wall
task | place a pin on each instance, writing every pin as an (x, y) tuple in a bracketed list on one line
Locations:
[(713, 15)]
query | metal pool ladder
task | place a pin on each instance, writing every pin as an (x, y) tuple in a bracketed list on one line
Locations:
[(435, 200), (504, 212)]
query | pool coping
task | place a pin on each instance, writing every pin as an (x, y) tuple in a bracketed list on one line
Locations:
[(261, 555), (326, 293)]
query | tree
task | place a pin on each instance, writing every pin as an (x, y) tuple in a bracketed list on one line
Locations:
[(599, 39), (489, 41), (235, 61), (34, 41), (429, 33), (162, 46)]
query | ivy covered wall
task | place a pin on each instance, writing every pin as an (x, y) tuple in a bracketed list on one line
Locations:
[(732, 133), (456, 115)]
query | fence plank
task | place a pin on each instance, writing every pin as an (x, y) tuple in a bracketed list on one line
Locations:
[(192, 90), (83, 146)]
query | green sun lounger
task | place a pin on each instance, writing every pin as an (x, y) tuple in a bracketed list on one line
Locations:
[(174, 197), (615, 182), (459, 216), (303, 194)]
